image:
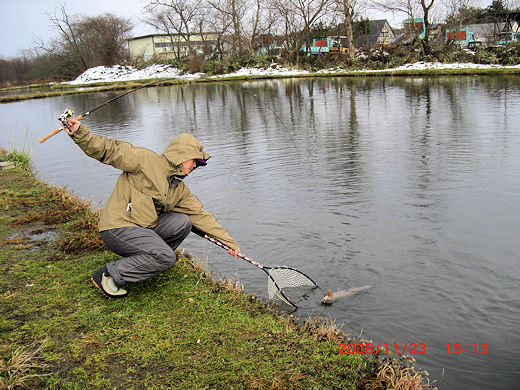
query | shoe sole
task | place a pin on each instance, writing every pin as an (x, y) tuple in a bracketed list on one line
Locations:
[(103, 291), (99, 287)]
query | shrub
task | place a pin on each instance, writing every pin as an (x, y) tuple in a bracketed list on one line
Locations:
[(213, 68), (483, 56), (253, 60), (196, 64), (458, 55), (21, 159)]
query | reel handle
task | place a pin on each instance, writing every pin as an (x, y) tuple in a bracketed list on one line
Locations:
[(53, 133)]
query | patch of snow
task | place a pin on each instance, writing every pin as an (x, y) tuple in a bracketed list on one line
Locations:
[(271, 71), (439, 65), (126, 73)]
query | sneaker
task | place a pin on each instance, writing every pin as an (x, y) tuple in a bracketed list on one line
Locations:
[(106, 284)]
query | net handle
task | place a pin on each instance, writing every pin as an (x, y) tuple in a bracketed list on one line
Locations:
[(249, 260), (241, 255), (256, 264)]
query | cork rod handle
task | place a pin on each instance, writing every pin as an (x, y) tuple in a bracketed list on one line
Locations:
[(53, 133)]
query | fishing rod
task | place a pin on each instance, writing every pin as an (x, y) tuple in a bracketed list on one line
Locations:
[(69, 114)]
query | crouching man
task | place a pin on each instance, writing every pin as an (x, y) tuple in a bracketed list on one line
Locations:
[(150, 211)]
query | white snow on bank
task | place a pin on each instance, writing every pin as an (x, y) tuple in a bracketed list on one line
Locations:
[(439, 65), (126, 73), (272, 70)]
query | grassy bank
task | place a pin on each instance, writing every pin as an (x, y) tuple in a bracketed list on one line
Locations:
[(38, 92), (43, 91), (179, 330)]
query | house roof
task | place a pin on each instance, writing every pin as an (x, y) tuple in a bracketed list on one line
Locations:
[(376, 26), (488, 28), (168, 35)]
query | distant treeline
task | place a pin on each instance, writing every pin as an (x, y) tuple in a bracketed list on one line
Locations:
[(82, 43)]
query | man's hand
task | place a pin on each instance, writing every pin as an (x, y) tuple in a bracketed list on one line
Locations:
[(234, 253), (73, 125)]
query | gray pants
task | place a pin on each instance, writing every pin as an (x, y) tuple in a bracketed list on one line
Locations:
[(146, 252)]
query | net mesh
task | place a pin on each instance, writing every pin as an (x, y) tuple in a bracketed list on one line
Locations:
[(287, 285)]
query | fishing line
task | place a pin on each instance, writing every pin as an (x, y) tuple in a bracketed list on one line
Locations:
[(270, 109), (69, 114)]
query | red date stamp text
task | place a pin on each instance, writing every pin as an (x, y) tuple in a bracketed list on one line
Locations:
[(368, 348)]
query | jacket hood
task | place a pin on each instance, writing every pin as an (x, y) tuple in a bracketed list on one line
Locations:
[(184, 147)]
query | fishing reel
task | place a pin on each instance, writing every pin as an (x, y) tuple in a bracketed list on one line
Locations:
[(66, 115), (63, 118)]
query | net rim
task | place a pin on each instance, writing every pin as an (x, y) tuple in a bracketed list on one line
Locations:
[(279, 290), (292, 269)]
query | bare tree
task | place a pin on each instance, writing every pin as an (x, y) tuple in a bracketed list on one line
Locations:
[(174, 17), (255, 25), (84, 42), (104, 37), (287, 24), (426, 6), (456, 16), (408, 7), (234, 11), (67, 46), (347, 10), (308, 13), (219, 24)]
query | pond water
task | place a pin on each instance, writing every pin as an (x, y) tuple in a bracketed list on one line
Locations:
[(410, 185)]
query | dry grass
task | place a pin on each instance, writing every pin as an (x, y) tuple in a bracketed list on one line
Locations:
[(17, 369), (392, 375), (201, 264), (64, 206), (81, 242), (18, 243), (25, 219), (322, 328), (232, 285), (60, 206)]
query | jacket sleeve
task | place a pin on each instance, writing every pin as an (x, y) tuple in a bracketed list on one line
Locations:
[(120, 154), (203, 220)]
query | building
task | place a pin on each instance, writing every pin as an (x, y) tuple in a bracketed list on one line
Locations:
[(488, 33), (416, 29), (170, 46), (269, 44), (483, 34), (378, 32)]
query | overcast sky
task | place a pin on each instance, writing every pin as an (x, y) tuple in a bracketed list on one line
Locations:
[(22, 22)]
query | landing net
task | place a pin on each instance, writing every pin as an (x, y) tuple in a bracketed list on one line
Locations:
[(288, 286)]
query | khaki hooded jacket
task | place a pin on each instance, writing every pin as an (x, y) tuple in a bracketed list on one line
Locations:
[(145, 189)]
